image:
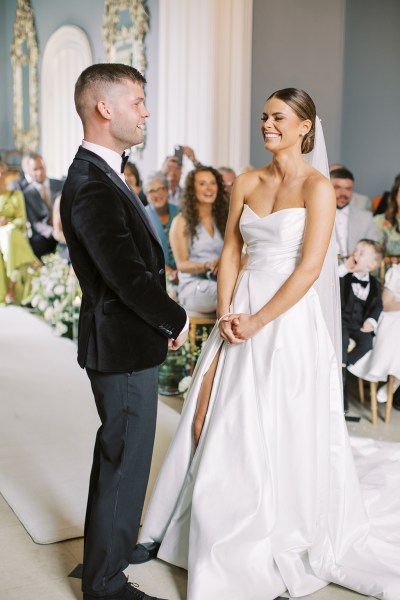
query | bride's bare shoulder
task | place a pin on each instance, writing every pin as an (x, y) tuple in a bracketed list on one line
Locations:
[(250, 179), (318, 186)]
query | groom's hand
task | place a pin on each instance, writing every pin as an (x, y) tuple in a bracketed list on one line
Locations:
[(175, 344)]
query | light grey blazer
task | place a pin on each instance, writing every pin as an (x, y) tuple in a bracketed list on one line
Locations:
[(361, 225)]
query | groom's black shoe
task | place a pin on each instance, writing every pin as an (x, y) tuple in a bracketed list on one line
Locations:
[(128, 592), (144, 552)]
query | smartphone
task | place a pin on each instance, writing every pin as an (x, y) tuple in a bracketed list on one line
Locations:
[(179, 154)]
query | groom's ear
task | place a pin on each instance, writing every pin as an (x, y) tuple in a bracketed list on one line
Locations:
[(103, 109)]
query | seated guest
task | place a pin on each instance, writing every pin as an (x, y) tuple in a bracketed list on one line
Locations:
[(228, 177), (361, 302), (133, 178), (384, 359), (39, 196), (16, 256), (351, 223), (360, 200), (388, 224), (161, 214), (196, 238), (21, 182), (58, 233)]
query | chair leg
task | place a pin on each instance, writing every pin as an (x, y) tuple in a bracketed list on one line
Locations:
[(374, 402), (361, 390), (389, 400), (192, 336)]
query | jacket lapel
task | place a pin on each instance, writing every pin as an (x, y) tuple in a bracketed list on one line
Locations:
[(84, 154)]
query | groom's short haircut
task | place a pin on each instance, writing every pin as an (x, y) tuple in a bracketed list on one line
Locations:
[(94, 82), (341, 173)]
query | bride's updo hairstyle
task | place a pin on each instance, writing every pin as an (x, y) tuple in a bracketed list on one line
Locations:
[(304, 107)]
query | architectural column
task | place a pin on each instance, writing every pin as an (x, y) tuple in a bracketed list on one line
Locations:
[(205, 79)]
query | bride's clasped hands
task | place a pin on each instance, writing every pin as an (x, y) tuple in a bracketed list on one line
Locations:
[(237, 328)]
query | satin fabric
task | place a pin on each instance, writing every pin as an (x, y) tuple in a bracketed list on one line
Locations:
[(271, 500)]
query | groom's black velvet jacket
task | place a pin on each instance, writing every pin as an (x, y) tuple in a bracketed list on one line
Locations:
[(126, 315)]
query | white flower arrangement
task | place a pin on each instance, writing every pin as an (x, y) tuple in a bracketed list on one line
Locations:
[(54, 292)]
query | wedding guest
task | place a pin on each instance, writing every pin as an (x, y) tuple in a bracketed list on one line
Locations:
[(21, 182), (16, 256), (58, 233), (132, 176), (228, 177), (384, 359), (388, 224), (351, 223), (39, 196), (196, 238), (172, 169), (161, 213), (361, 303), (360, 200)]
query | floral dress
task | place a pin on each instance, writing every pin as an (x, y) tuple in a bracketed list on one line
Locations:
[(16, 255), (387, 235)]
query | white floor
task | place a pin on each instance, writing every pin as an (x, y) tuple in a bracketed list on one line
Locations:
[(29, 571)]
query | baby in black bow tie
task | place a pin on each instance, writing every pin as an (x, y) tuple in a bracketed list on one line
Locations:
[(361, 302)]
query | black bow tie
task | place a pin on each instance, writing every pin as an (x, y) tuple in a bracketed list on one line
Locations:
[(124, 161), (355, 279)]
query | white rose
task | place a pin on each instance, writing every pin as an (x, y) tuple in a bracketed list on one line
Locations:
[(184, 383), (59, 290), (42, 305)]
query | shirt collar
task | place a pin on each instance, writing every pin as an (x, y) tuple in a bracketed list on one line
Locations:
[(112, 158), (343, 211)]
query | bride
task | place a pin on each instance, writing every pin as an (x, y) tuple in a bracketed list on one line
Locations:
[(259, 492)]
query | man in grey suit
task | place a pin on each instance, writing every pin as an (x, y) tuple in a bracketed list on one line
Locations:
[(39, 194), (352, 223)]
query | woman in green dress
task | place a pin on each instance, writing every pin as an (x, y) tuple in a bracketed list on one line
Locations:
[(17, 260), (388, 224)]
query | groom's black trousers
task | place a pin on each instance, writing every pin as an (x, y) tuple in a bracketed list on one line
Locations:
[(127, 407)]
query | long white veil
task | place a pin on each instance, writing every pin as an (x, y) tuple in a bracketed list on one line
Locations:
[(327, 285)]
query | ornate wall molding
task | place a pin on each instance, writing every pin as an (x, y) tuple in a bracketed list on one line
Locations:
[(24, 59), (125, 25)]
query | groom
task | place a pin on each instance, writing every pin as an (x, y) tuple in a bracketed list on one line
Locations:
[(127, 320)]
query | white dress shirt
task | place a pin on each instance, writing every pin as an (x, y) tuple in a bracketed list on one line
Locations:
[(111, 157), (342, 229)]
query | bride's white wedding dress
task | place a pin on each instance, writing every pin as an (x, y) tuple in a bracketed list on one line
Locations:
[(271, 498)]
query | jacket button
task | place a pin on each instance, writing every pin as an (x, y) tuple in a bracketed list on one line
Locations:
[(161, 271)]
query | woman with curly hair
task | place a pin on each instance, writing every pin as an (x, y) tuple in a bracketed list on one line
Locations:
[(388, 224), (196, 238)]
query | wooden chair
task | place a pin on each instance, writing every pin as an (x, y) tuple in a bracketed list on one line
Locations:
[(198, 320), (387, 262), (374, 402)]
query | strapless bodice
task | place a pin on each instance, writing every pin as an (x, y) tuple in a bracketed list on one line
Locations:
[(274, 242)]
